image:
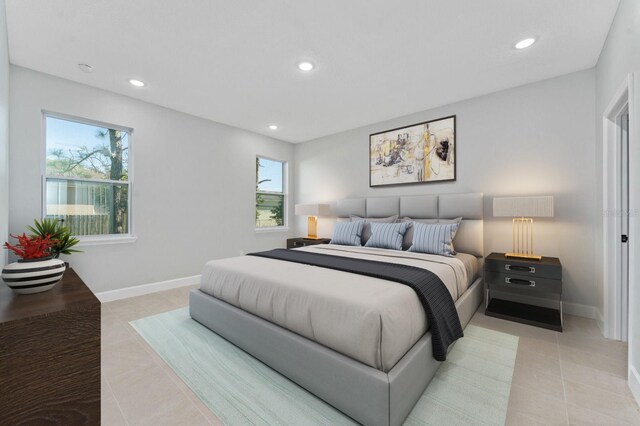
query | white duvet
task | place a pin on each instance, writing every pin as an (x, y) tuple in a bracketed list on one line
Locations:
[(371, 320)]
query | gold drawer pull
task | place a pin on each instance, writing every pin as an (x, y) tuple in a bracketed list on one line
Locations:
[(509, 280), (529, 269)]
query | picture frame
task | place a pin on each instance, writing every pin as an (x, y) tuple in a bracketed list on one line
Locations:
[(415, 154)]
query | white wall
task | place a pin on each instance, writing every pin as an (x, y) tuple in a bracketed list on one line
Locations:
[(193, 191), (534, 139), (4, 132), (620, 56)]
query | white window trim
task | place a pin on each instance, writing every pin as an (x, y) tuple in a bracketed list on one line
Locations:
[(272, 229), (89, 240), (285, 192), (99, 240)]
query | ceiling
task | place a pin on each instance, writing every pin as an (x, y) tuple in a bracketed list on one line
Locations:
[(234, 62)]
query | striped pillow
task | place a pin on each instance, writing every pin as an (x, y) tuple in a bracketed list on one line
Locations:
[(434, 238), (366, 228), (347, 233), (387, 235), (408, 236)]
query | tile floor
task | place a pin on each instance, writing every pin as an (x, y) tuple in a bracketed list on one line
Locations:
[(576, 377)]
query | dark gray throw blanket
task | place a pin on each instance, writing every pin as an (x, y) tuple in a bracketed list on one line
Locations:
[(433, 294)]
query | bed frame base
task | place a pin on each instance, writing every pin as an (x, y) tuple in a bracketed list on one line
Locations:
[(368, 395)]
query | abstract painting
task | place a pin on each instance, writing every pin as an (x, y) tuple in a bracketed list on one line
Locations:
[(420, 153)]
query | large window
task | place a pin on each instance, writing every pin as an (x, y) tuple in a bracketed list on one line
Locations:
[(271, 196), (87, 176)]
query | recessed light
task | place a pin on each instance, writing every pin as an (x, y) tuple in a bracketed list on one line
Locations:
[(527, 42), (136, 83), (273, 127), (86, 68), (305, 66)]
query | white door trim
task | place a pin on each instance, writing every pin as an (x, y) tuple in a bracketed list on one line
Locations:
[(629, 94), (634, 230), (612, 217)]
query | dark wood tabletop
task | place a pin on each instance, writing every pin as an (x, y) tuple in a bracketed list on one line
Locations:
[(69, 293), (554, 261)]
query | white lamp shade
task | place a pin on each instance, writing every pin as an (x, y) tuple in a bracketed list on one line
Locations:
[(312, 209), (523, 206)]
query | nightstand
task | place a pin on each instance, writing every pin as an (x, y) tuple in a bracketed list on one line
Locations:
[(303, 242), (524, 278)]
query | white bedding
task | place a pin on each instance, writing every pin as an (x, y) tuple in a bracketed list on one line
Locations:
[(371, 320)]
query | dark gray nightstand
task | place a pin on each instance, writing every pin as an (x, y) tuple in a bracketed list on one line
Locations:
[(523, 277), (303, 242)]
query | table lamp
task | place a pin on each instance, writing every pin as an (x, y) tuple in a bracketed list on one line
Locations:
[(313, 211), (523, 210)]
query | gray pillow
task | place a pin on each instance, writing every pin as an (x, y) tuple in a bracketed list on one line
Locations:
[(366, 229), (408, 236)]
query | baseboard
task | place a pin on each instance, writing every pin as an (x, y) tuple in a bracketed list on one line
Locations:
[(634, 383), (140, 290), (586, 311)]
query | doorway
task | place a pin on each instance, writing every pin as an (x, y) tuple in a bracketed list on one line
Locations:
[(618, 188), (624, 222)]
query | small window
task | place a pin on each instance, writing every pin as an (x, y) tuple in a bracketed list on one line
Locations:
[(271, 196), (87, 176)]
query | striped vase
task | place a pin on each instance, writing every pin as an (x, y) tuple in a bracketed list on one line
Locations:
[(27, 276)]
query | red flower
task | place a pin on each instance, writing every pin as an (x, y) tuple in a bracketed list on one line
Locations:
[(31, 247)]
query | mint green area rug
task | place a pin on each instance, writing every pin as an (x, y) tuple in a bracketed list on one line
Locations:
[(471, 387)]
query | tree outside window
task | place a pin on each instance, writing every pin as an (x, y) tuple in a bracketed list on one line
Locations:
[(87, 176), (270, 193)]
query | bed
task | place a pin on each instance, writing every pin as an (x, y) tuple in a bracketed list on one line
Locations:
[(361, 344)]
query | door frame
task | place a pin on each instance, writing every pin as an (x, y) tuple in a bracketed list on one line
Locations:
[(625, 98)]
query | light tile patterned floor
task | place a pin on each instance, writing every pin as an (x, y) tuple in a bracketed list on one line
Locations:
[(576, 377)]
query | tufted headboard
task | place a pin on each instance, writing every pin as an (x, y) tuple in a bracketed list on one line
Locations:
[(469, 239)]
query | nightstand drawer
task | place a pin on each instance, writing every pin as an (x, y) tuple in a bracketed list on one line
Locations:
[(524, 284), (524, 269)]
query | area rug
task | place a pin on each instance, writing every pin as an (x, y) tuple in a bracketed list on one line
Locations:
[(471, 387)]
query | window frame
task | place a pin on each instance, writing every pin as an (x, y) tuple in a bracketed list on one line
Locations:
[(285, 192), (86, 240)]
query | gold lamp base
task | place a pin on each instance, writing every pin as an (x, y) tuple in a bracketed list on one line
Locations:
[(312, 228), (523, 239), (524, 256)]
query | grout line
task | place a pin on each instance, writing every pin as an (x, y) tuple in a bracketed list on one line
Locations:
[(599, 355), (132, 332), (113, 394), (163, 365), (158, 362), (126, 420), (611, 394), (564, 388)]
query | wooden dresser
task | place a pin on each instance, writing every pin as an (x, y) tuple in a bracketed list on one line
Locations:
[(50, 355)]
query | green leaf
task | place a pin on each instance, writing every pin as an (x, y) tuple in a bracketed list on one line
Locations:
[(58, 232)]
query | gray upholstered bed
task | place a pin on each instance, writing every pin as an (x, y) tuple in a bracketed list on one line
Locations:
[(372, 390)]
